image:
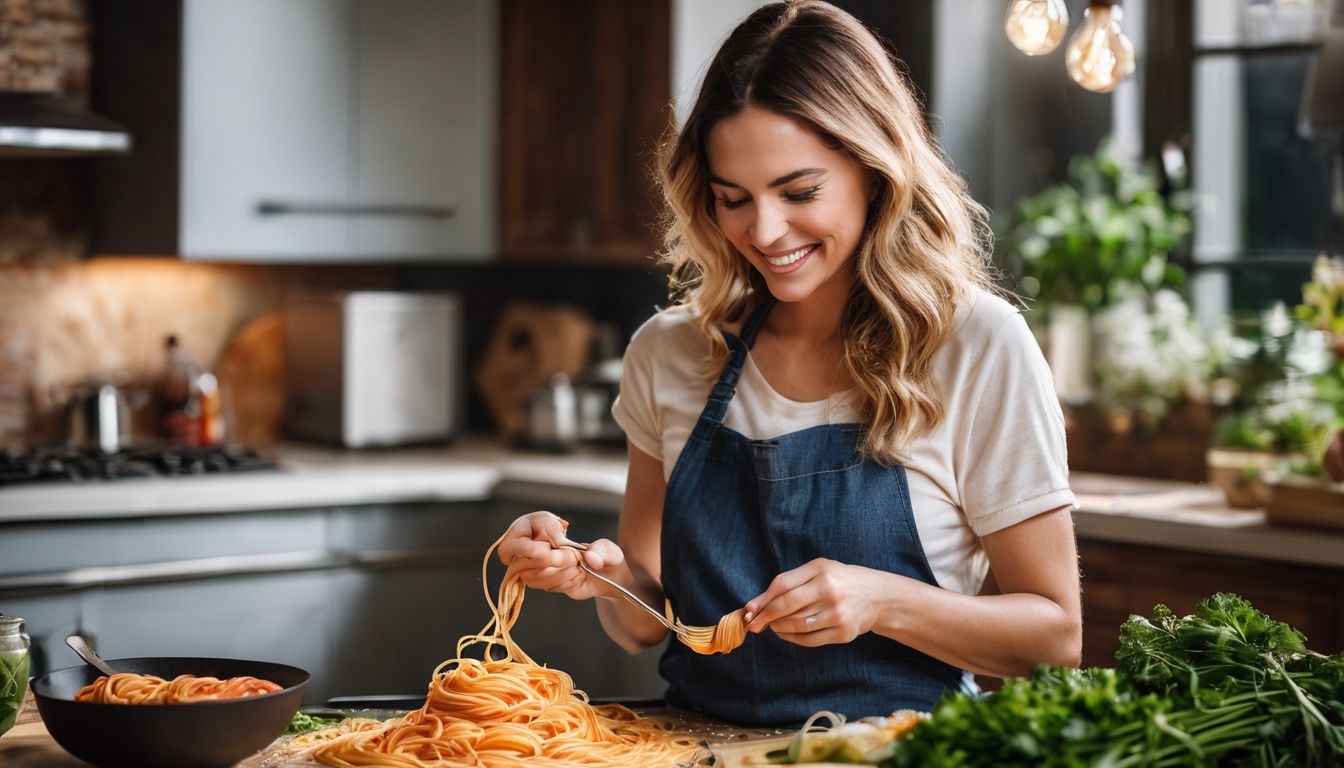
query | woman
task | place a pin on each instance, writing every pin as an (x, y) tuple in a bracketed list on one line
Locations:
[(838, 426)]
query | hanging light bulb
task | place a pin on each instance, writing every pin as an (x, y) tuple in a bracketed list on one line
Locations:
[(1036, 26), (1099, 56)]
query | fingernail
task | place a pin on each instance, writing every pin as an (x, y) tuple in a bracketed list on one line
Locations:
[(748, 616)]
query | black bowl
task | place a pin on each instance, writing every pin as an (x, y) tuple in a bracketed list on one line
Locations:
[(204, 734)]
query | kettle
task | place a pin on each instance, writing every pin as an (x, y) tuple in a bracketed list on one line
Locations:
[(552, 416), (99, 418)]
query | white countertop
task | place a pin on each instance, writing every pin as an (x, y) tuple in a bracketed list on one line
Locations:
[(1128, 510), (316, 476)]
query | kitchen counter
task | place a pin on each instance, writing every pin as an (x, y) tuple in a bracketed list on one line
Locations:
[(30, 745), (1124, 510)]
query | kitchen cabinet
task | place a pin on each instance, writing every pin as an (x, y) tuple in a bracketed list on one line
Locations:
[(584, 91), (369, 599), (1123, 579), (311, 130)]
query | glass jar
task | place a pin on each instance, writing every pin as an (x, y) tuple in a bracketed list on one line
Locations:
[(13, 670)]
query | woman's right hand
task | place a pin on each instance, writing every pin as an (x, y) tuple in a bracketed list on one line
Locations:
[(532, 550)]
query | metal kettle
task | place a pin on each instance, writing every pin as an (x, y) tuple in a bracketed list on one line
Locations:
[(552, 416), (99, 418)]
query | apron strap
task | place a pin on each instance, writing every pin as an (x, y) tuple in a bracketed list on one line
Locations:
[(722, 393)]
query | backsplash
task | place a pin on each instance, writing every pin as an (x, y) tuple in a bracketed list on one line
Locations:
[(63, 323)]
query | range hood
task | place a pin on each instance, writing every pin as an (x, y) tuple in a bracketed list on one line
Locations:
[(40, 124)]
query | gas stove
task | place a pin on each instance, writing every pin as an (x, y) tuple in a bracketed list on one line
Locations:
[(67, 464)]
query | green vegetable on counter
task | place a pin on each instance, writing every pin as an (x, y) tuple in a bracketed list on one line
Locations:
[(1227, 685), (303, 723)]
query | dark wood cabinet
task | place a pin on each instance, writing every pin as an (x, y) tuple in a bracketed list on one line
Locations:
[(1122, 579), (585, 87)]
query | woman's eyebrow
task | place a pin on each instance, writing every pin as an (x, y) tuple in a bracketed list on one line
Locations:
[(781, 181)]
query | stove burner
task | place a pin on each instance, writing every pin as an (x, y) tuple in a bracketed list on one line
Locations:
[(65, 464)]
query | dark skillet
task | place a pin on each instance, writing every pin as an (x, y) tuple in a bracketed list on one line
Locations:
[(206, 734)]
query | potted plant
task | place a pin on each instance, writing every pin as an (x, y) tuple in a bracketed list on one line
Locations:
[(1083, 245), (1251, 447), (1151, 355), (1312, 490), (1290, 397)]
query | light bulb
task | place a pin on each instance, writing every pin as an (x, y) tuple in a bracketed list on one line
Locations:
[(1099, 55), (1036, 26)]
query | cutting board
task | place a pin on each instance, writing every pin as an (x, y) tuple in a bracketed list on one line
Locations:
[(752, 753), (28, 745), (251, 375)]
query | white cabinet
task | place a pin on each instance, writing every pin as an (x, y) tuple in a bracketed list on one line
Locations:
[(309, 130), (424, 126), (266, 115)]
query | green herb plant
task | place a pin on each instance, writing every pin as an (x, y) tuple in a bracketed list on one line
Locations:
[(1110, 226), (1226, 686)]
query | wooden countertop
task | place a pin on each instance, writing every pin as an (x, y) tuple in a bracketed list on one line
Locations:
[(29, 745)]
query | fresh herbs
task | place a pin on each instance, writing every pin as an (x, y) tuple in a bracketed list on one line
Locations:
[(1227, 685), (304, 723), (13, 685), (1229, 652)]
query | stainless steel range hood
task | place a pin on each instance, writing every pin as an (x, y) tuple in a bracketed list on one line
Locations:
[(39, 124)]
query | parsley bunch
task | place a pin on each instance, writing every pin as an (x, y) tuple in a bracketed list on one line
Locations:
[(1227, 685), (1229, 651)]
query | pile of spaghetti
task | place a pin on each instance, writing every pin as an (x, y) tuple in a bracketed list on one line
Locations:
[(502, 713), (125, 688)]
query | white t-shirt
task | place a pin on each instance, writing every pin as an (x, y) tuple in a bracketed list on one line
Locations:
[(997, 458)]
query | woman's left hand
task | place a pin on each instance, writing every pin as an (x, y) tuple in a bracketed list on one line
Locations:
[(819, 603)]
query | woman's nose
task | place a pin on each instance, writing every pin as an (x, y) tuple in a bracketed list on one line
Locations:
[(769, 226)]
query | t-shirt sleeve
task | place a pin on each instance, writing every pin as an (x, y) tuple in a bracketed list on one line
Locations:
[(1012, 455), (635, 408)]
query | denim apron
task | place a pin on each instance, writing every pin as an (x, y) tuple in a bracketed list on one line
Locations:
[(737, 513)]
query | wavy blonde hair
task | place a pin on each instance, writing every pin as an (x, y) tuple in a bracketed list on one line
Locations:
[(925, 243)]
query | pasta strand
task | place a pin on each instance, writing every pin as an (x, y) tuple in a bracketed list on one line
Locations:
[(502, 713)]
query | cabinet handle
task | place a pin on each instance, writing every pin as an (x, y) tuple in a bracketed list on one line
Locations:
[(76, 579), (282, 207)]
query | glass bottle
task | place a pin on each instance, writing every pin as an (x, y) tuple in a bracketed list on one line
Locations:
[(13, 670), (179, 400)]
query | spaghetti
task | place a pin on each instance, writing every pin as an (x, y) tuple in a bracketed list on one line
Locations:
[(725, 636), (126, 688), (502, 713)]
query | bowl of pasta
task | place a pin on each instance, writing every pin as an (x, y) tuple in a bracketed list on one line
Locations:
[(169, 712)]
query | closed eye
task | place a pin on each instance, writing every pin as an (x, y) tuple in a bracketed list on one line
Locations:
[(803, 196), (733, 204)]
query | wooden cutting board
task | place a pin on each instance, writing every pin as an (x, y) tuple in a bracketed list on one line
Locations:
[(744, 754), (251, 375), (28, 745)]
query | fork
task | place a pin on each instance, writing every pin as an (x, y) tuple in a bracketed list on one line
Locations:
[(688, 635)]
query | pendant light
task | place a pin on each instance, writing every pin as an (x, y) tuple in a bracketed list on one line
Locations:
[(1036, 26), (1099, 56)]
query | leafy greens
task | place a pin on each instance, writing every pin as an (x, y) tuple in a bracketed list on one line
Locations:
[(1227, 685)]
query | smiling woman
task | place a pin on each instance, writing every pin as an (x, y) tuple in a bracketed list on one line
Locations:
[(840, 425), (795, 203)]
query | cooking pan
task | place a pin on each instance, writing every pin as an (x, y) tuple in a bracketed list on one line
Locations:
[(204, 734)]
